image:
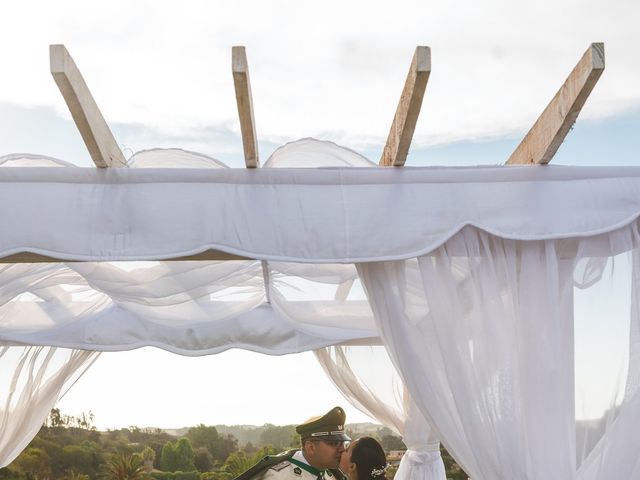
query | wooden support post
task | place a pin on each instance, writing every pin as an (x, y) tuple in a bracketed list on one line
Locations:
[(240, 69), (208, 255), (541, 143), (404, 122), (95, 132)]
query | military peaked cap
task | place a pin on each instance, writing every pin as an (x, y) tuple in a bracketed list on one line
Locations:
[(330, 426)]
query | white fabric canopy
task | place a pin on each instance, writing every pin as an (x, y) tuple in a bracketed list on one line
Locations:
[(470, 282)]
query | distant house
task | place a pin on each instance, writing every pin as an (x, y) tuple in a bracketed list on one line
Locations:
[(394, 457)]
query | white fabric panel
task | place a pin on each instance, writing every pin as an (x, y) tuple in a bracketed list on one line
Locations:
[(482, 331), (36, 377), (326, 215), (172, 158), (30, 160), (312, 153), (368, 380), (190, 308)]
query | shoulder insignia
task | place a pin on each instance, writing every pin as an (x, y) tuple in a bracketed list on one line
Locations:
[(279, 466), (297, 471)]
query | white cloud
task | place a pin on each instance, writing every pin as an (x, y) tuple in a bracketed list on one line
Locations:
[(323, 69)]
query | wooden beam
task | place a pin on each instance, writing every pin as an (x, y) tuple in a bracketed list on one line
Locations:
[(541, 143), (95, 132), (209, 255), (240, 69), (404, 122)]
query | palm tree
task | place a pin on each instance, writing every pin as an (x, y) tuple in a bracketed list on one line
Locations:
[(148, 456), (123, 466), (239, 461), (73, 475)]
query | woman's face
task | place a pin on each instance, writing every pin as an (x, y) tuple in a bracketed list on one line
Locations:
[(345, 460)]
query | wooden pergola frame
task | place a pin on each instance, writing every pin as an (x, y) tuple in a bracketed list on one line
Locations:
[(538, 146)]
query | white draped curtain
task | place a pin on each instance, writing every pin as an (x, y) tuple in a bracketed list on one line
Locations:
[(32, 380), (368, 380), (482, 331)]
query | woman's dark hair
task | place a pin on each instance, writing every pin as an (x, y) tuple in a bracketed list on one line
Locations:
[(370, 459)]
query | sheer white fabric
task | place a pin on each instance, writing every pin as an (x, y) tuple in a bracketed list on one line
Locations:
[(368, 380), (610, 444), (33, 379), (312, 153), (482, 331)]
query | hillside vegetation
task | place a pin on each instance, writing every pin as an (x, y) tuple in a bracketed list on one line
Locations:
[(70, 448)]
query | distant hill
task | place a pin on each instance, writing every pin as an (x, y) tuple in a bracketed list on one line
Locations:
[(251, 433)]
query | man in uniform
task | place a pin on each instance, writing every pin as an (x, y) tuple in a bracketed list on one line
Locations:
[(322, 442)]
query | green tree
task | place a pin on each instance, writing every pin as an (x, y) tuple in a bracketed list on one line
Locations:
[(239, 461), (72, 475), (83, 458), (148, 456), (85, 420), (11, 473), (203, 459), (184, 455), (279, 437), (55, 418), (226, 445), (177, 456), (250, 448), (168, 458), (204, 436), (452, 469), (124, 467), (392, 442), (34, 462), (216, 476)]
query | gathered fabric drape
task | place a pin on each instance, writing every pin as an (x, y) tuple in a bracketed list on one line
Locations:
[(368, 380), (33, 379), (482, 331)]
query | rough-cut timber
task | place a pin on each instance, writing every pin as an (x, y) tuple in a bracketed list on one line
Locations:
[(242, 85), (541, 143), (404, 122), (208, 255), (95, 132)]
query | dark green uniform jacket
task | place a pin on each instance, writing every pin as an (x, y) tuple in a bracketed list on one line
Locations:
[(284, 467)]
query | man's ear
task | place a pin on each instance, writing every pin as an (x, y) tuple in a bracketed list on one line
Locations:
[(308, 446)]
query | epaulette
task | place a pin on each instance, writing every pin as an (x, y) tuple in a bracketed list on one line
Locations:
[(279, 466), (269, 461)]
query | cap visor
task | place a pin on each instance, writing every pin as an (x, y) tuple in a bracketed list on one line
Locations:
[(340, 436)]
